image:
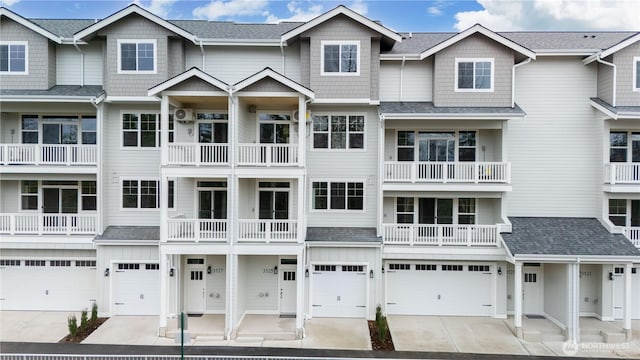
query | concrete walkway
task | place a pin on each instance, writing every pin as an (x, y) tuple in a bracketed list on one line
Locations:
[(34, 326)]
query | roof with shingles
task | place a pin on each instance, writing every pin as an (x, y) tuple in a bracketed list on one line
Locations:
[(565, 236), (616, 109), (342, 234), (427, 107), (234, 31), (58, 90), (146, 233), (63, 27)]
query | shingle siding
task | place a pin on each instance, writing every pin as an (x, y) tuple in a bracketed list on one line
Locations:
[(267, 85), (38, 58), (623, 60), (475, 46), (176, 57), (605, 83)]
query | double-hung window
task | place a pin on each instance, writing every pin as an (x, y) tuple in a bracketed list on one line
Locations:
[(29, 195), (140, 130), (340, 58), (466, 211), (89, 195), (339, 131), (137, 56), (14, 58), (618, 212), (636, 73), (404, 210), (145, 194), (336, 195), (474, 74)]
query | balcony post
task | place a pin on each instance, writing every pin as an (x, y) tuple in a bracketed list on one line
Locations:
[(12, 224), (517, 298), (300, 225), (469, 233), (476, 171), (627, 301), (40, 224), (612, 174), (414, 171), (164, 205), (164, 130), (4, 159), (302, 130), (439, 235)]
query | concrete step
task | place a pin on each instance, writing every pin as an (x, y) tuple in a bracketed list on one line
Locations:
[(249, 339), (268, 335), (208, 338), (533, 336), (195, 334), (591, 338), (586, 332), (552, 336), (613, 337)]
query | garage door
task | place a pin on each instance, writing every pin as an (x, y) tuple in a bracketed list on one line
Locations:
[(339, 291), (635, 293), (438, 289), (50, 285), (136, 289)]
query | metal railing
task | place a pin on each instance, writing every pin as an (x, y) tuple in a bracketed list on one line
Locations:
[(43, 154), (443, 172), (197, 230), (45, 224), (440, 235), (268, 154), (198, 154), (258, 230)]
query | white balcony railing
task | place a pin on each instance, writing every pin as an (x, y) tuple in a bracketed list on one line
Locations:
[(440, 235), (198, 154), (267, 230), (623, 173), (197, 230), (443, 172), (633, 234), (268, 154), (46, 224), (41, 154)]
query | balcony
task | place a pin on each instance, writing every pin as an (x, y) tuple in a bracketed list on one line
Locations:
[(633, 234), (266, 231), (198, 154), (440, 235), (42, 154), (47, 224), (197, 230), (447, 172), (267, 155), (622, 173)]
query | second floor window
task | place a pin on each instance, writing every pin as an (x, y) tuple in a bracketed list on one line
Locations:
[(145, 194), (474, 74), (142, 130), (331, 195), (338, 131), (340, 58), (13, 57), (137, 56), (636, 73), (619, 147)]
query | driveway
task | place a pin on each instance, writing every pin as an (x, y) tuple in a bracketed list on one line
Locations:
[(34, 326), (336, 333), (453, 334), (128, 330)]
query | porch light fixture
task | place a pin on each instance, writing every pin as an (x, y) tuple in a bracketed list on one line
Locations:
[(383, 269), (106, 272), (371, 274), (611, 276), (275, 270), (306, 272), (209, 269), (171, 272), (500, 270)]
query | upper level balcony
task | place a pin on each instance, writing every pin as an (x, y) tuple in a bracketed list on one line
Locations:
[(447, 172), (198, 154), (440, 235), (633, 234), (47, 224), (622, 177), (267, 155), (13, 157)]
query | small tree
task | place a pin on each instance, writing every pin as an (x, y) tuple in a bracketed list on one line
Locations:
[(72, 322), (94, 312), (83, 319), (381, 324)]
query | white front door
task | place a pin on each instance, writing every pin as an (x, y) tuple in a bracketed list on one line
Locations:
[(618, 293), (532, 290), (196, 288), (288, 286)]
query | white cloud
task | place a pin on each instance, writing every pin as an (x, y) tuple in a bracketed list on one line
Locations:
[(8, 3), (434, 10), (217, 9), (359, 6), (158, 7), (297, 12), (503, 15)]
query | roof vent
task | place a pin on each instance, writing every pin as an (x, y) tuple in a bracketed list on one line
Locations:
[(410, 35)]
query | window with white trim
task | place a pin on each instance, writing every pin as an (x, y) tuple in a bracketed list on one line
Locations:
[(145, 194), (636, 73), (89, 195), (333, 195), (14, 58), (340, 58), (339, 131), (29, 129), (137, 56), (474, 74), (141, 130), (466, 211), (618, 211), (404, 210), (29, 195)]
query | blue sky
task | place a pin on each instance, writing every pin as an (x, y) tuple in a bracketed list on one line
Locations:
[(399, 15)]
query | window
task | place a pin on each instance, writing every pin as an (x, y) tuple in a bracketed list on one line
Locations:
[(60, 263), (451, 267), (35, 263), (406, 143), (474, 75), (340, 58), (29, 195), (399, 267), (85, 263), (128, 266), (13, 58), (618, 150), (29, 129), (337, 195), (353, 268), (636, 73), (171, 190), (467, 146), (426, 267), (466, 211), (324, 268), (88, 130), (618, 211), (142, 130), (89, 195), (152, 266), (404, 210), (479, 268), (136, 56), (7, 262), (144, 194), (338, 131)]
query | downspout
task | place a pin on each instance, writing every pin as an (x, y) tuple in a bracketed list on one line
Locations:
[(513, 80), (598, 59), (203, 56), (282, 52), (404, 58), (75, 44)]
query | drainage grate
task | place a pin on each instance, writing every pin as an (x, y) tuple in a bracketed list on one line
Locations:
[(194, 315), (287, 316), (533, 316)]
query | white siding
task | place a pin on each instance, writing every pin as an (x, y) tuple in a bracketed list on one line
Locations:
[(413, 83), (259, 289), (556, 299), (93, 63), (68, 65), (390, 80), (9, 196), (216, 284), (557, 144)]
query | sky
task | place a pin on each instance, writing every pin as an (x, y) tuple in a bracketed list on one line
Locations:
[(399, 15)]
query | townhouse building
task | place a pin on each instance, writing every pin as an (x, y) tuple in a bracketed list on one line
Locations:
[(318, 169)]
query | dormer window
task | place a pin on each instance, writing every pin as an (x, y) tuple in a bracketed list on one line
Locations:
[(340, 58), (136, 56), (474, 75), (636, 73), (13, 58)]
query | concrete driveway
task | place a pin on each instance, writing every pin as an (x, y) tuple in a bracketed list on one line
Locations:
[(336, 333), (128, 330), (453, 334), (34, 326)]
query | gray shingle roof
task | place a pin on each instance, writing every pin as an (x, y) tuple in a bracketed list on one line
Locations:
[(617, 109), (63, 27), (228, 30), (344, 234), (427, 107), (58, 90), (418, 42), (147, 233), (565, 236)]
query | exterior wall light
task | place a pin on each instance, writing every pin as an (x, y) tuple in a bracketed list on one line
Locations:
[(275, 270), (383, 269), (500, 270), (371, 274), (171, 272), (209, 269), (106, 272), (306, 272)]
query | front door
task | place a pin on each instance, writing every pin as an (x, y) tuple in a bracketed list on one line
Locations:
[(274, 129), (274, 205), (288, 286), (213, 128), (212, 204), (618, 292), (532, 290), (196, 289), (435, 211)]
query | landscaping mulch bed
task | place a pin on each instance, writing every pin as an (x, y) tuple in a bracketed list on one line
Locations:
[(376, 344), (83, 333)]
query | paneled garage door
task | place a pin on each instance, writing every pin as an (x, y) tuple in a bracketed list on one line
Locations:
[(136, 289), (49, 285), (339, 291), (438, 289)]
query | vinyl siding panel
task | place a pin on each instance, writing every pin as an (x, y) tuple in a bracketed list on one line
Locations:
[(375, 69), (51, 63), (232, 64), (605, 83), (623, 60), (9, 196), (475, 46), (305, 62), (390, 74), (557, 143), (556, 297), (9, 121), (254, 282), (413, 83), (69, 63), (346, 165), (93, 63), (216, 284), (38, 58)]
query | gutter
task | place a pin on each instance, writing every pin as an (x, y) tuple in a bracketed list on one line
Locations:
[(282, 53), (513, 80), (203, 55), (599, 59), (75, 44), (404, 59)]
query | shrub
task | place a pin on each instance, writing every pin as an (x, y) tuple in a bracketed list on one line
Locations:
[(381, 324), (94, 312), (83, 319), (72, 322)]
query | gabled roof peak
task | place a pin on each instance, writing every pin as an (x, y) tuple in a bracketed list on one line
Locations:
[(30, 25)]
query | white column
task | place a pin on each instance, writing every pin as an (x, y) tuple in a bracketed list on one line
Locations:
[(517, 298), (302, 131), (301, 206), (100, 174), (573, 306), (164, 130), (229, 319), (380, 197), (300, 295), (627, 300), (164, 294)]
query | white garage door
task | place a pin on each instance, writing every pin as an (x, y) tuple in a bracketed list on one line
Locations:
[(136, 289), (339, 291), (438, 289), (51, 285), (635, 293)]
